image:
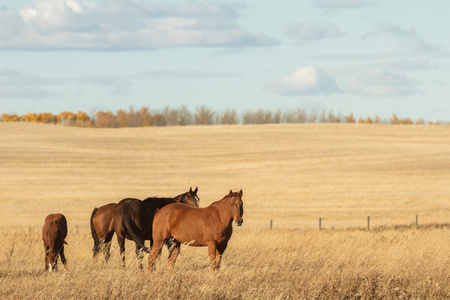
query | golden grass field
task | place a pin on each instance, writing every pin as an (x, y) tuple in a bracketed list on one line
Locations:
[(291, 174)]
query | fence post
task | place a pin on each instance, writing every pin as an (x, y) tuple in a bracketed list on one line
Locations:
[(368, 222), (417, 220), (270, 224), (320, 223)]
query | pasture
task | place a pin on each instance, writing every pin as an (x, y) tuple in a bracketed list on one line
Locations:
[(291, 174)]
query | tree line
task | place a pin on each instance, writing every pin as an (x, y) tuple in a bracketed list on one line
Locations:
[(201, 116)]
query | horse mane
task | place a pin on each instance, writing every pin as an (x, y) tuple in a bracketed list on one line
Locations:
[(158, 202), (225, 198)]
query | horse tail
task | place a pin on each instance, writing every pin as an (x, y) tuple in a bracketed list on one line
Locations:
[(93, 232), (131, 229)]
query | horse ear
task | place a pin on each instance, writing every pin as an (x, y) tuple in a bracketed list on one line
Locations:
[(241, 193), (196, 189), (190, 190), (231, 192)]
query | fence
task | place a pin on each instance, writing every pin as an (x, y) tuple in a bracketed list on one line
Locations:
[(367, 227)]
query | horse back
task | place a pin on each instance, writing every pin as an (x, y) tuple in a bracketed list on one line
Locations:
[(103, 220), (55, 230), (136, 212), (188, 225)]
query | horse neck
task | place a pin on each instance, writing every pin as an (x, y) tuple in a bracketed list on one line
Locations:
[(179, 198), (226, 215)]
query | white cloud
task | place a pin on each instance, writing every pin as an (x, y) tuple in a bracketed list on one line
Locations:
[(303, 32), (119, 85), (124, 24), (304, 81), (20, 85), (344, 3), (380, 82), (407, 38)]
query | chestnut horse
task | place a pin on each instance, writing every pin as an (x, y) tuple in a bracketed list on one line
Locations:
[(210, 226), (133, 219), (53, 234), (102, 229)]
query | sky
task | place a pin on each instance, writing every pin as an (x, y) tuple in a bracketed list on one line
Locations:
[(366, 57)]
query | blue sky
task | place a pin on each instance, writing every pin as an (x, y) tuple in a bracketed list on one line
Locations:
[(367, 57)]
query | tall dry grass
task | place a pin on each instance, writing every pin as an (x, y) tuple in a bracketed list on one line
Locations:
[(292, 174), (262, 264)]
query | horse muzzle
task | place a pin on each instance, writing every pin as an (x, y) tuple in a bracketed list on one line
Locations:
[(239, 222)]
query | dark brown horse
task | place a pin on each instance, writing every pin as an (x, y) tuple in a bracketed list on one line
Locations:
[(133, 219), (102, 229), (54, 233), (210, 226)]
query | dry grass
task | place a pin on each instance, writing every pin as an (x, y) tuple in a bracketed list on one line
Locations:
[(292, 174), (282, 264)]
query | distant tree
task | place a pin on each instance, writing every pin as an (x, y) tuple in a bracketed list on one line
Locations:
[(158, 119), (106, 120), (276, 117), (204, 116), (248, 117), (302, 116), (121, 118), (185, 116), (145, 116), (82, 119), (323, 117), (30, 117), (312, 117), (349, 118), (11, 118), (67, 118), (394, 119), (289, 117), (171, 115), (229, 117), (263, 117)]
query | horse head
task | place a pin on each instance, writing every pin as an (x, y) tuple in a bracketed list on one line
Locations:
[(190, 198), (237, 206)]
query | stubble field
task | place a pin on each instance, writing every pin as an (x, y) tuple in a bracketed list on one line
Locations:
[(290, 174)]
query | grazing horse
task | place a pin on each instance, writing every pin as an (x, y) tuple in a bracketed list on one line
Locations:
[(102, 229), (133, 219), (211, 226), (53, 233)]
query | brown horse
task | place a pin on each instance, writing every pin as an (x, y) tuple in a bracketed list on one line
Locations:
[(53, 234), (102, 229), (133, 219), (210, 226)]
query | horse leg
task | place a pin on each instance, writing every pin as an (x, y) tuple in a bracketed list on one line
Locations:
[(212, 248), (95, 251), (55, 265), (107, 246), (47, 253), (219, 252), (174, 250), (140, 256), (121, 242), (63, 257), (154, 254), (107, 251)]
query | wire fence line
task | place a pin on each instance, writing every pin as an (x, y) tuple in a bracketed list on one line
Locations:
[(368, 226)]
